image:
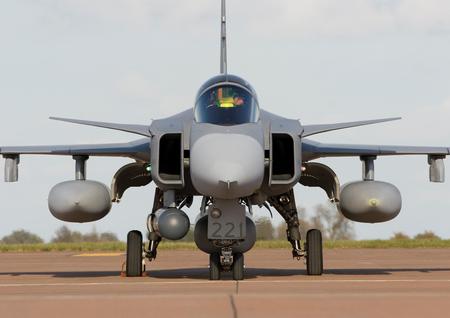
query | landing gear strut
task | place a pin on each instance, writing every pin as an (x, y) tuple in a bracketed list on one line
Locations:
[(312, 251), (153, 238), (285, 205)]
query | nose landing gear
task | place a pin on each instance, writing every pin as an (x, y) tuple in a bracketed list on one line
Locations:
[(238, 266), (225, 262), (215, 268)]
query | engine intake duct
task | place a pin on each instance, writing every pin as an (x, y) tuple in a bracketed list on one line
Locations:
[(282, 155)]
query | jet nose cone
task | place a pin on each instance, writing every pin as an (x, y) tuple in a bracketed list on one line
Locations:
[(227, 166)]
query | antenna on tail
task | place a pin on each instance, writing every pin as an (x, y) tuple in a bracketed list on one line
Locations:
[(223, 40)]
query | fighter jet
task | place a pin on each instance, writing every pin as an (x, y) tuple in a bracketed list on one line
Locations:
[(235, 156)]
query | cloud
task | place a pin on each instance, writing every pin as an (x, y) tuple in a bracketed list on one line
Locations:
[(431, 124), (355, 17), (129, 13), (293, 18), (137, 86)]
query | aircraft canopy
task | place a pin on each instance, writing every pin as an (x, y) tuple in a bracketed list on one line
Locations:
[(227, 104)]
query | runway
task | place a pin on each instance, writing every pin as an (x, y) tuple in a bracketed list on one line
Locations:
[(356, 283)]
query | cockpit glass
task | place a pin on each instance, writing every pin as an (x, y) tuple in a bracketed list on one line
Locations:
[(226, 105)]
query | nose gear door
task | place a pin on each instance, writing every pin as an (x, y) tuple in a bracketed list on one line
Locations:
[(226, 220)]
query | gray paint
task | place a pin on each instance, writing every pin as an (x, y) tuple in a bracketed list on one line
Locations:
[(370, 201), (170, 223), (173, 124), (368, 168), (137, 150), (226, 163), (80, 167), (274, 124), (310, 130), (205, 245), (130, 175), (437, 168), (223, 39), (79, 201), (226, 220), (319, 175), (134, 129), (314, 150), (12, 168)]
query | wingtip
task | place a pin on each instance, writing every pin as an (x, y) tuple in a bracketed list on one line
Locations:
[(388, 119)]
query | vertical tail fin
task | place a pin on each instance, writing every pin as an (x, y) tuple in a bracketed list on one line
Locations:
[(223, 40)]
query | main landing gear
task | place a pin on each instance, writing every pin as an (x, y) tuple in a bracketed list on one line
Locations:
[(232, 262), (134, 262), (312, 250)]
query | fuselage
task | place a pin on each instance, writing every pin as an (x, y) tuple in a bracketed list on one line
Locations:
[(227, 162), (229, 147)]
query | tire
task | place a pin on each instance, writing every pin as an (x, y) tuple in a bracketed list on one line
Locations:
[(238, 266), (214, 266), (134, 254), (314, 256)]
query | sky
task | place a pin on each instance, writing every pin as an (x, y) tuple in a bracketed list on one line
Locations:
[(132, 61)]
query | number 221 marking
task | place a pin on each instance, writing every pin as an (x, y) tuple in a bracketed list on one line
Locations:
[(230, 227)]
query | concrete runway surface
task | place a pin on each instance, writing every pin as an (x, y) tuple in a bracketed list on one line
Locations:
[(357, 283)]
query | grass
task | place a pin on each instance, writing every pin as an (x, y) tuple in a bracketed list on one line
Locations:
[(170, 245), (410, 243), (60, 247)]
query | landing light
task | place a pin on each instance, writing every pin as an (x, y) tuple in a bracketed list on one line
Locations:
[(216, 213)]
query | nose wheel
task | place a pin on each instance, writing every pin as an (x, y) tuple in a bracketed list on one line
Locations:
[(238, 266), (216, 267)]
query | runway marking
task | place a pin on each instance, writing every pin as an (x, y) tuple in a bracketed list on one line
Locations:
[(230, 282), (98, 254)]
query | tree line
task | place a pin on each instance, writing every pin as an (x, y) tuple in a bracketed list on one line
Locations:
[(325, 217), (62, 235)]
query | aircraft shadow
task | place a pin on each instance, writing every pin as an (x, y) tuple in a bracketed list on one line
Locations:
[(203, 274), (381, 271), (72, 274)]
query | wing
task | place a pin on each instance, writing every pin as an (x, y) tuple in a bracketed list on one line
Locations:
[(314, 150), (134, 129), (138, 150), (309, 130)]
